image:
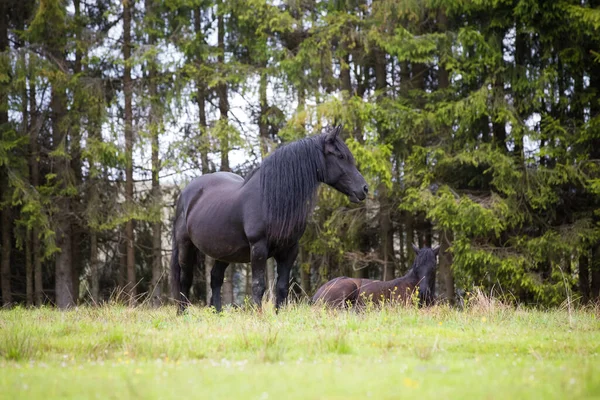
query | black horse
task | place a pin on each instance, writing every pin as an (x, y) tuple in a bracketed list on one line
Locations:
[(238, 220), (341, 291)]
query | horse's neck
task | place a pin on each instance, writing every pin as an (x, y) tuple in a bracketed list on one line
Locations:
[(410, 277)]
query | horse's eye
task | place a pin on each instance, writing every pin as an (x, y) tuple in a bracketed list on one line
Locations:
[(340, 156)]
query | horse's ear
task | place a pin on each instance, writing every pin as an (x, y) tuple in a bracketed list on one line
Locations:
[(415, 248), (333, 134), (436, 250)]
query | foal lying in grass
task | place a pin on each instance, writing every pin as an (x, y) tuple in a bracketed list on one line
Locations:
[(344, 291)]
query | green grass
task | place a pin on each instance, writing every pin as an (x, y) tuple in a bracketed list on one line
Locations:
[(488, 351)]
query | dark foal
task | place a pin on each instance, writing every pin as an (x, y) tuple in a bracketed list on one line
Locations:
[(344, 291), (233, 219)]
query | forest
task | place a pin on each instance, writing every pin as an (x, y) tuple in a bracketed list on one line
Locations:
[(475, 123)]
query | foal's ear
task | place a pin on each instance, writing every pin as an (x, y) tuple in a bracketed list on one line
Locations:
[(415, 248), (436, 250), (333, 134)]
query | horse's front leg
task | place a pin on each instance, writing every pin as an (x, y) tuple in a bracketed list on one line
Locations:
[(258, 259), (285, 260)]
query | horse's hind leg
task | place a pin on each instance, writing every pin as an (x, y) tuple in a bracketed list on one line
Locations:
[(217, 276), (187, 259), (259, 261)]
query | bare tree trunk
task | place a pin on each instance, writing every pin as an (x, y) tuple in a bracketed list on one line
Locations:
[(25, 126), (6, 250), (209, 264), (204, 141), (93, 202), (28, 271), (34, 176), (595, 284), (584, 276), (410, 240), (387, 234), (129, 200), (94, 264), (263, 125), (4, 183), (270, 279), (305, 272), (346, 83), (64, 262), (228, 284), (222, 87), (445, 266), (401, 253), (446, 237), (386, 251), (122, 275), (248, 288), (155, 122), (77, 231)]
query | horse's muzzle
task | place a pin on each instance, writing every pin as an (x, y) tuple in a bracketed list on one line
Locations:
[(357, 197)]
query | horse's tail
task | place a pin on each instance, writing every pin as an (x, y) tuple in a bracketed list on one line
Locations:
[(175, 267), (175, 271)]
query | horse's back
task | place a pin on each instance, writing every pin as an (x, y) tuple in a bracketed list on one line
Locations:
[(337, 292), (378, 291), (214, 216)]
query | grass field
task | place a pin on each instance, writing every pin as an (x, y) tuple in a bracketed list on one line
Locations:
[(487, 351)]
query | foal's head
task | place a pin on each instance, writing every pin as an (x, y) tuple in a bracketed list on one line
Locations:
[(424, 269), (340, 168)]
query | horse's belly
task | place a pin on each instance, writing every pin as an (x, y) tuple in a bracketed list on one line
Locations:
[(223, 248)]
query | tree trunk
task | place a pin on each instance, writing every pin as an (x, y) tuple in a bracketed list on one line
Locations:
[(129, 200), (595, 284), (346, 83), (386, 250), (305, 272), (248, 286), (28, 271), (209, 262), (122, 254), (34, 176), (228, 284), (446, 237), (222, 87), (445, 266), (387, 234), (155, 122), (204, 141), (402, 256), (584, 276), (6, 250), (25, 126), (93, 202), (263, 125), (63, 220), (77, 230), (410, 240), (94, 266), (4, 184)]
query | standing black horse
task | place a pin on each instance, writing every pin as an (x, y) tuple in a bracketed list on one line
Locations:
[(238, 220)]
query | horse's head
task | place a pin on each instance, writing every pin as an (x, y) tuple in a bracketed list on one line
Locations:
[(424, 268), (340, 168)]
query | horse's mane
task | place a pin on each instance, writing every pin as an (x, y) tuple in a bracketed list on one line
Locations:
[(288, 179)]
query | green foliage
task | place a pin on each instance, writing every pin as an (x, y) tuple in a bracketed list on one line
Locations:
[(476, 118)]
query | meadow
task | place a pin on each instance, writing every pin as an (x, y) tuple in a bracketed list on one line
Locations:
[(486, 351)]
